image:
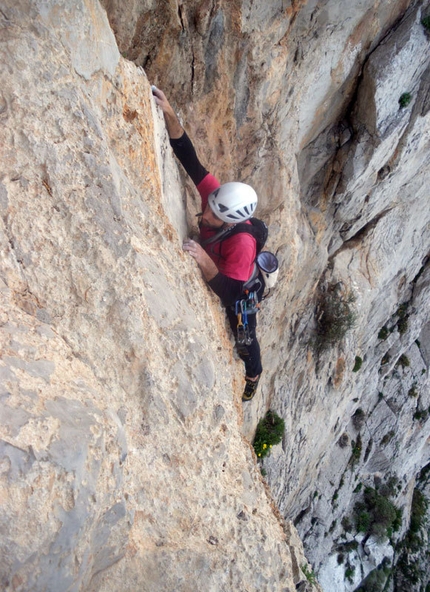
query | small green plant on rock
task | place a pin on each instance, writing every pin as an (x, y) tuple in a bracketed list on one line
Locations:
[(383, 333), (407, 565), (419, 508), (426, 23), (356, 450), (309, 574), (362, 521), (412, 392), (404, 361), (270, 431), (349, 572), (375, 581), (402, 325), (402, 313), (405, 99), (376, 515), (421, 415), (336, 316), (358, 363)]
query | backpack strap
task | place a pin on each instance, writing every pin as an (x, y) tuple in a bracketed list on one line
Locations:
[(225, 233), (219, 236)]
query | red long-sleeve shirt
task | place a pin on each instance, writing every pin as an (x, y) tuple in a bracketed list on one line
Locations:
[(234, 256)]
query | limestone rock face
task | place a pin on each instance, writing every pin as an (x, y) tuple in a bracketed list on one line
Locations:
[(122, 465), (306, 101), (125, 456)]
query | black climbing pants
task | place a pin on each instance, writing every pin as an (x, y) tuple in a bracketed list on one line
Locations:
[(250, 354)]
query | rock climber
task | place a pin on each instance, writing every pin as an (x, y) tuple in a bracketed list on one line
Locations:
[(227, 266)]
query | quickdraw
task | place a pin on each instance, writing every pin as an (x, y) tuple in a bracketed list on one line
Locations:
[(243, 308)]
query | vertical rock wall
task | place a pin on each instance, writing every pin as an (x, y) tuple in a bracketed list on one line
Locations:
[(122, 463), (306, 101)]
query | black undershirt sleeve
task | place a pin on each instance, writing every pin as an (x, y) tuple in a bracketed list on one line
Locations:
[(228, 289), (186, 154)]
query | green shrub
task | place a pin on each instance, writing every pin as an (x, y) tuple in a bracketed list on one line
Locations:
[(418, 511), (402, 313), (408, 565), (356, 450), (270, 431), (409, 568), (426, 22), (383, 333), (362, 521), (405, 99), (358, 363), (348, 547), (421, 415), (349, 572), (402, 324), (397, 524), (412, 392), (336, 316), (375, 581), (376, 514), (404, 361), (310, 576)]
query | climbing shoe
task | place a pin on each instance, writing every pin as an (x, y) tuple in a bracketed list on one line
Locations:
[(250, 388)]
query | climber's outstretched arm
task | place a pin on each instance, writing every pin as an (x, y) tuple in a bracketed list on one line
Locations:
[(179, 140), (174, 128)]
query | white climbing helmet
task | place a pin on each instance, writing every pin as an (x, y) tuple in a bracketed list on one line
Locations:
[(233, 202)]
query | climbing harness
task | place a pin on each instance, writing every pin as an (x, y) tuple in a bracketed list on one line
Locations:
[(263, 277)]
